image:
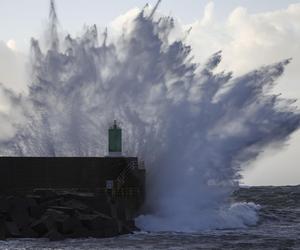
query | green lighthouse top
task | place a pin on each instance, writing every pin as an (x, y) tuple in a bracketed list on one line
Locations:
[(115, 140)]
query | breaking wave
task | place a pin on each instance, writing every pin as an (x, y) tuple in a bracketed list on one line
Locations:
[(194, 128)]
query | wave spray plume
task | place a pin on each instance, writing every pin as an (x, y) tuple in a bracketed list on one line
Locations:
[(195, 129)]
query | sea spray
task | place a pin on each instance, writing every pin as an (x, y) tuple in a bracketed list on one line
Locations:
[(195, 129)]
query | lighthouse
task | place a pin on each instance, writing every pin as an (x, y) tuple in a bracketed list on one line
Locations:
[(115, 141)]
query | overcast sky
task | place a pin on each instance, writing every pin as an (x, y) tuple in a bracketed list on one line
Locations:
[(250, 33)]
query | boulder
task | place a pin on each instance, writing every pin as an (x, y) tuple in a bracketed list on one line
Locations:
[(12, 229), (65, 210), (17, 203), (21, 217), (43, 226), (104, 226), (58, 218), (28, 232), (52, 202), (93, 222), (54, 235), (36, 211), (80, 232), (129, 227), (56, 215), (45, 194), (4, 205), (99, 202), (31, 201), (94, 225), (18, 211), (37, 198), (68, 215), (70, 225), (3, 231), (75, 204), (112, 228)]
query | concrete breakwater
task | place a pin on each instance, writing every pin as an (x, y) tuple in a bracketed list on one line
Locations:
[(65, 214), (69, 197)]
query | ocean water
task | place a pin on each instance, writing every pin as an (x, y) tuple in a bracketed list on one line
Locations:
[(278, 228)]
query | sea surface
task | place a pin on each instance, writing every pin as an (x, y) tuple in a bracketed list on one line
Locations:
[(278, 228)]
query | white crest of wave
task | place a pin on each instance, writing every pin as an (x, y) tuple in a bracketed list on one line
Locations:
[(237, 215), (194, 129)]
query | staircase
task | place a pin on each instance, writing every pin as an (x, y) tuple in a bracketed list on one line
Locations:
[(121, 179)]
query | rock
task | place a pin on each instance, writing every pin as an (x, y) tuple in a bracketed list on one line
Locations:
[(80, 232), (70, 225), (36, 211), (12, 229), (98, 234), (36, 198), (28, 232), (75, 204), (97, 202), (53, 235), (21, 218), (52, 202), (17, 203), (3, 230), (40, 227), (93, 223), (78, 196), (43, 226), (31, 201), (4, 205), (101, 225), (59, 219), (18, 211), (45, 193), (112, 228), (66, 210), (129, 227), (68, 215), (56, 215)]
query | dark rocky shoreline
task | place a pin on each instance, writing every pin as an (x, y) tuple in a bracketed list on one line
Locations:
[(59, 215)]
